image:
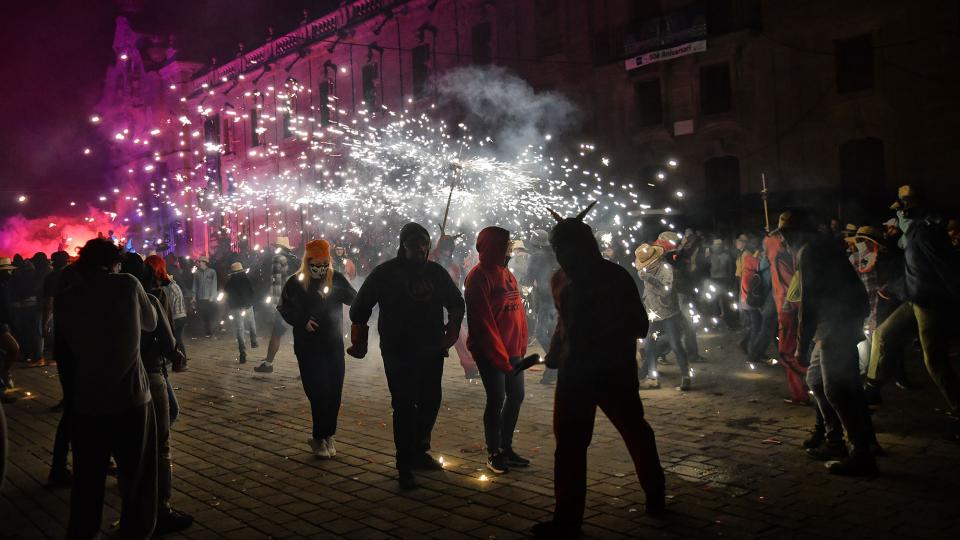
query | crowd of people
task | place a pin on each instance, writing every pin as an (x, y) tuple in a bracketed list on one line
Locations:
[(838, 307)]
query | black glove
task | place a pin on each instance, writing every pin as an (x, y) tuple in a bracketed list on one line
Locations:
[(520, 364)]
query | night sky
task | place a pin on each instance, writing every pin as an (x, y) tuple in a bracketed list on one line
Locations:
[(56, 54)]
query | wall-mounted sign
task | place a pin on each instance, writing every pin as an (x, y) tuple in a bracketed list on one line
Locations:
[(665, 54)]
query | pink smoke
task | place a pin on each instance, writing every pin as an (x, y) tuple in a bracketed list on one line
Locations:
[(50, 233)]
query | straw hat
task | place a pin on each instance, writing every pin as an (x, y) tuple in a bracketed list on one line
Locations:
[(904, 193), (647, 255), (5, 264), (283, 241), (236, 267), (868, 233)]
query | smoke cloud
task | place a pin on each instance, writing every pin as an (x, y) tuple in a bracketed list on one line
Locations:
[(506, 107), (50, 233)]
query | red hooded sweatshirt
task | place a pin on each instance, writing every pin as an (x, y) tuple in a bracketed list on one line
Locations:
[(495, 315)]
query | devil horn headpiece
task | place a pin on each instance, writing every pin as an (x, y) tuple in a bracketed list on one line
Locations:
[(555, 215), (583, 214)]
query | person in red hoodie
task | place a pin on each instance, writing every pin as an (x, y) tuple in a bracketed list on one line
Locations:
[(498, 341)]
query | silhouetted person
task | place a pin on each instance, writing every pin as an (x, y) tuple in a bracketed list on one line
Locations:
[(498, 341), (108, 390), (238, 292), (412, 293), (205, 294), (601, 317)]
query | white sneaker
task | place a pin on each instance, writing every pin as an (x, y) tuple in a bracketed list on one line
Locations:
[(319, 448), (331, 446)]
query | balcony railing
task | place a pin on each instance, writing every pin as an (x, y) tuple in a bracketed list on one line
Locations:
[(311, 32)]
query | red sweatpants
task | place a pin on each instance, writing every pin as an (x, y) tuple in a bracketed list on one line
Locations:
[(787, 351)]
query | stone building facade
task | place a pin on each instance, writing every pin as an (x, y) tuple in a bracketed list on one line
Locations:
[(833, 103)]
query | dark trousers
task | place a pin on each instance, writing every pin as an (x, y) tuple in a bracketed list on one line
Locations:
[(26, 325), (61, 443), (131, 438), (838, 391), (751, 322), (415, 395), (504, 396), (689, 330), (670, 337), (574, 412), (208, 312), (757, 349), (321, 371), (178, 326), (161, 411)]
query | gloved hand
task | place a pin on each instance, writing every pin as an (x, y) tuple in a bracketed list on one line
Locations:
[(358, 340), (519, 363), (451, 336)]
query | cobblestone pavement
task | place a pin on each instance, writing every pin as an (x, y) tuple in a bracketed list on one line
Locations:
[(731, 449)]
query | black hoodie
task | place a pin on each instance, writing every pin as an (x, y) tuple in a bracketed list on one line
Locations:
[(412, 299)]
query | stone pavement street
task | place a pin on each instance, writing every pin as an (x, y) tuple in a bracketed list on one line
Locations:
[(731, 449)]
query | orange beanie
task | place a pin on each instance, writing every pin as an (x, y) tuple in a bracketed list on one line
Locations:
[(317, 249)]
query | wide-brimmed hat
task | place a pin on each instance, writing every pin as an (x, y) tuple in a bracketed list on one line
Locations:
[(647, 255), (236, 267), (5, 264), (904, 193), (518, 245), (850, 229), (283, 242), (866, 232)]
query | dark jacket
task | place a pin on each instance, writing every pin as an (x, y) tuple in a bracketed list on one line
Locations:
[(833, 299), (931, 273), (158, 346), (298, 305), (411, 299), (238, 290)]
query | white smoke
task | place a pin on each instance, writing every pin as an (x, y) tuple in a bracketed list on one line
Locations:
[(506, 107)]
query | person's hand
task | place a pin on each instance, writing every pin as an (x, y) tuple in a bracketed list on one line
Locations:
[(358, 340), (312, 326), (451, 337)]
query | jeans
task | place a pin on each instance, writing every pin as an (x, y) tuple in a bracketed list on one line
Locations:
[(671, 336), (751, 322), (837, 389), (932, 326), (574, 413), (504, 396), (161, 411), (243, 318), (321, 371), (757, 349), (131, 438), (415, 396)]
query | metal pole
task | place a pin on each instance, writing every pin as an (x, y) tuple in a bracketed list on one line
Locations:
[(763, 195)]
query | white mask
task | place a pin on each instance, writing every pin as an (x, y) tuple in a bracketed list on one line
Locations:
[(319, 271)]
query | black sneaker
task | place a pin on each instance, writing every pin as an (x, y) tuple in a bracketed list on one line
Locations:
[(556, 529), (816, 438), (242, 359), (60, 479), (407, 480), (425, 462), (685, 384), (173, 522), (254, 344), (264, 368), (498, 463), (862, 465), (656, 504), (829, 451), (514, 460)]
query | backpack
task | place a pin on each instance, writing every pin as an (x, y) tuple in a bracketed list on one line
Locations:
[(753, 287)]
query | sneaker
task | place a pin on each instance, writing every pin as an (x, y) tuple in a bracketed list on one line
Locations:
[(816, 438), (685, 384), (498, 463), (319, 448), (425, 462), (650, 383), (556, 529), (862, 465), (254, 344), (173, 521), (331, 446), (829, 451), (514, 460), (60, 478), (264, 367), (656, 504), (407, 480)]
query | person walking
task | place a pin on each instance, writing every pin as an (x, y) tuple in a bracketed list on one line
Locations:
[(238, 292), (205, 294), (498, 341), (663, 311), (412, 293), (312, 303), (781, 274), (108, 391), (279, 272), (601, 317)]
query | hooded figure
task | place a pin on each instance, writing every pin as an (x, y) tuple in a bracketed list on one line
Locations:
[(601, 317), (412, 293), (498, 340), (312, 303)]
